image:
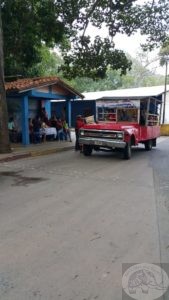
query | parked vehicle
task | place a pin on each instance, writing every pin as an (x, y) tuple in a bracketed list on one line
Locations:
[(122, 125)]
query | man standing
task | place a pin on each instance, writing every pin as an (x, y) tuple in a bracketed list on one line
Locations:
[(79, 123)]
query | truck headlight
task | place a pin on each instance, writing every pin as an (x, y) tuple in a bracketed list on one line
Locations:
[(81, 132), (119, 135)]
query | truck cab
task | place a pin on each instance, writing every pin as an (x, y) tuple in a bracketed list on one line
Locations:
[(124, 124)]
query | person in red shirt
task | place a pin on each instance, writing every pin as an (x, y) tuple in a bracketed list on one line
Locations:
[(79, 123)]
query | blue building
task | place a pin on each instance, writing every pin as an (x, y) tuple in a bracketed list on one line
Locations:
[(78, 107), (26, 97)]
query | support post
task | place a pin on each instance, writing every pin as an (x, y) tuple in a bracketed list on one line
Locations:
[(47, 105), (69, 112), (165, 90), (147, 113), (25, 127)]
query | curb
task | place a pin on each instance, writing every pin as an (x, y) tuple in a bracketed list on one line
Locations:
[(14, 157), (35, 153), (49, 151)]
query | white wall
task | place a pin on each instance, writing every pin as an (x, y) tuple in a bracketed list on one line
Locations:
[(166, 108)]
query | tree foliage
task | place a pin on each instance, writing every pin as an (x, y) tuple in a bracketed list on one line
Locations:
[(164, 53), (47, 65), (138, 76), (29, 24)]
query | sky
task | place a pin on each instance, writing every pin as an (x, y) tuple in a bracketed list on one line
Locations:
[(132, 45)]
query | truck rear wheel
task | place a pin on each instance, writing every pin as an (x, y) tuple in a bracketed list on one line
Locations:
[(148, 145), (87, 150), (154, 142), (127, 151)]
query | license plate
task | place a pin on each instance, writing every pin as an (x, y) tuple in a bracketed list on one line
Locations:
[(98, 143)]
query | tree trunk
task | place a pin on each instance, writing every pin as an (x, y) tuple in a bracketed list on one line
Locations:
[(4, 134)]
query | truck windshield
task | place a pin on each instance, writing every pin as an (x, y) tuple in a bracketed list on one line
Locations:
[(127, 115)]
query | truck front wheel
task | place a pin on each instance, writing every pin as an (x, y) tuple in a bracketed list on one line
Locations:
[(148, 145), (87, 150), (127, 151)]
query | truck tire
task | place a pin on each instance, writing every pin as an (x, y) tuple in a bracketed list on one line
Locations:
[(87, 150), (148, 145), (127, 151), (154, 142)]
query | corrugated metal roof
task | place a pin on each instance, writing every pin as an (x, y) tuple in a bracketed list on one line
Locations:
[(141, 92)]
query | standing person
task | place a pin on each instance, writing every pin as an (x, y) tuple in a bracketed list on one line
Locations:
[(66, 131), (43, 113), (53, 121), (79, 123), (44, 116), (60, 132), (142, 117), (30, 123)]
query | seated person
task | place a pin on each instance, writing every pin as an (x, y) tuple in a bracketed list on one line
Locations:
[(30, 124), (60, 133), (122, 115), (36, 130), (12, 131), (111, 115), (43, 132), (53, 121)]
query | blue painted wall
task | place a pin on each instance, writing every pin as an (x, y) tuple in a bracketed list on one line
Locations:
[(78, 107), (25, 114), (84, 108), (58, 109)]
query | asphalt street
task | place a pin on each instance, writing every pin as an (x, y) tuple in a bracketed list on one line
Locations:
[(69, 222)]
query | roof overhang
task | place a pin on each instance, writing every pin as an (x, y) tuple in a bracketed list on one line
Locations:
[(138, 98), (132, 93), (25, 85)]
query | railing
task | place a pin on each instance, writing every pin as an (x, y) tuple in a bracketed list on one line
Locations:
[(152, 120)]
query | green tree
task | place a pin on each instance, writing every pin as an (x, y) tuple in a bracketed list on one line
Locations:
[(48, 65), (139, 75), (27, 25), (142, 72), (30, 23), (112, 81), (164, 53)]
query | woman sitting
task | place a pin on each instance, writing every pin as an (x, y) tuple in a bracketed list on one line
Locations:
[(13, 134)]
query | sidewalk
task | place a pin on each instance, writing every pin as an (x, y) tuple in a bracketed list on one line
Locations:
[(19, 151)]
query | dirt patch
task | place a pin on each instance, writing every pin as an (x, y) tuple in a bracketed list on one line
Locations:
[(20, 180)]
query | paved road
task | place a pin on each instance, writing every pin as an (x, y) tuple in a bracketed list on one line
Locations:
[(68, 222)]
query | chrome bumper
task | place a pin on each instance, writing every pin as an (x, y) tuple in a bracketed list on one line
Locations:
[(102, 142)]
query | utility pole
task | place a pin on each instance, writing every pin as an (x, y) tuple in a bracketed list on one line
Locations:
[(165, 87), (4, 134)]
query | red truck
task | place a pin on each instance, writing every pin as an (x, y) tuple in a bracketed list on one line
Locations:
[(122, 125)]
